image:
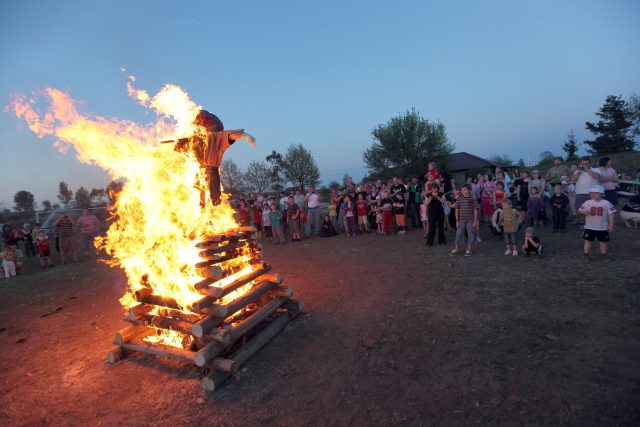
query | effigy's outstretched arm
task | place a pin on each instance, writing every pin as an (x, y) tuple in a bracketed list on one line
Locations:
[(243, 135)]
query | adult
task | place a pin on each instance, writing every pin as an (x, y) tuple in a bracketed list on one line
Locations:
[(29, 248), (312, 201), (350, 186), (397, 187), (505, 176), (8, 235), (63, 227), (487, 198), (584, 178), (555, 173), (608, 178), (89, 226), (413, 203), (299, 198)]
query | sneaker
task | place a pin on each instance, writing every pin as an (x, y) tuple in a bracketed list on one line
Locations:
[(515, 253), (467, 253), (453, 252), (478, 239), (507, 252)]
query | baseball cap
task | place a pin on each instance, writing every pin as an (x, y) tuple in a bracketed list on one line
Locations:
[(597, 189)]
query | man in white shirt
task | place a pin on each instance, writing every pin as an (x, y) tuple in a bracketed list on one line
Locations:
[(312, 201), (584, 178)]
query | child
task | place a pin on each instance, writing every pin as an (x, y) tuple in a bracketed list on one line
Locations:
[(257, 219), (424, 217), (511, 219), (451, 200), (42, 246), (387, 206), (266, 221), (9, 260), (466, 219), (435, 212), (599, 215), (293, 219), (535, 207), (531, 243), (333, 210), (379, 220), (361, 210), (349, 216), (500, 194), (326, 229), (398, 208), (275, 217), (559, 203)]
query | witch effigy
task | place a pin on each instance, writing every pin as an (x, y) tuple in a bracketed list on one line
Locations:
[(208, 145)]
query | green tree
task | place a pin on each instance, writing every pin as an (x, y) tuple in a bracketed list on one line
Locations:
[(82, 198), (231, 176), (334, 185), (501, 159), (276, 166), (258, 176), (25, 202), (546, 156), (65, 195), (521, 163), (612, 130), (634, 108), (570, 146), (300, 167), (407, 142), (46, 205)]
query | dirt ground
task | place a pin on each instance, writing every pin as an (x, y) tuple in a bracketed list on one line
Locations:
[(395, 333)]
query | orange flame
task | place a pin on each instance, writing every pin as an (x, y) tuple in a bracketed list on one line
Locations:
[(157, 213)]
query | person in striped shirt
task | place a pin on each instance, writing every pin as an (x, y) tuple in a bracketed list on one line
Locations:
[(64, 231), (466, 219)]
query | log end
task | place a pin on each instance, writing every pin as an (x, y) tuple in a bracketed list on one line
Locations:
[(116, 354), (197, 330)]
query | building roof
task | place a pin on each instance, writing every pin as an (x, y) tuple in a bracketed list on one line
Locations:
[(463, 161)]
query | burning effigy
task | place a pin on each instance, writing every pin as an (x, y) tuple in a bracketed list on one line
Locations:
[(198, 290)]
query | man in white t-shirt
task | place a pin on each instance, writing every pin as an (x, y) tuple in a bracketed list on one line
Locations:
[(312, 201), (599, 219), (584, 178)]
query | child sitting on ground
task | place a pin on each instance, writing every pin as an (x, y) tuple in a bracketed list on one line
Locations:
[(11, 260), (532, 244), (326, 229), (599, 216)]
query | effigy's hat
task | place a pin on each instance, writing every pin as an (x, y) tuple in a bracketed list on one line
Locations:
[(207, 119)]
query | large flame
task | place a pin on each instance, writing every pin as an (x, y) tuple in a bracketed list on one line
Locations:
[(157, 214)]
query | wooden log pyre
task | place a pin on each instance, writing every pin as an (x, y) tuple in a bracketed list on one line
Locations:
[(215, 292), (130, 332), (215, 378)]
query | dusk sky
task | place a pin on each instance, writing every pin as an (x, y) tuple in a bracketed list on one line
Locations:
[(504, 77)]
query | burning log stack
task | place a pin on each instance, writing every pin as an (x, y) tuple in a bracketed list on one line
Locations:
[(243, 306)]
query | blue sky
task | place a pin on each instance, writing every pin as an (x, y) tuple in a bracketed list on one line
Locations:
[(504, 77)]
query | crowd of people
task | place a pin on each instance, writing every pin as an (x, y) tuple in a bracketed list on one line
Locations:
[(27, 242), (499, 203)]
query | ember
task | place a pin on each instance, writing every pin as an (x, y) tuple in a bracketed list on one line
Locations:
[(198, 289)]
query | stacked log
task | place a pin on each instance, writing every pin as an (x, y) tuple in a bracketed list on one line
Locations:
[(222, 334)]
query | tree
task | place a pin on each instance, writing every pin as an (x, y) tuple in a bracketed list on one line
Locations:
[(612, 129), (501, 160), (521, 163), (82, 198), (634, 108), (570, 146), (408, 142), (276, 163), (231, 176), (300, 167), (334, 185), (258, 176), (546, 156), (25, 202), (96, 196), (64, 194), (46, 205)]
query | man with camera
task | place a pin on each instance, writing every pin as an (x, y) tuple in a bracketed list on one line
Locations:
[(584, 178)]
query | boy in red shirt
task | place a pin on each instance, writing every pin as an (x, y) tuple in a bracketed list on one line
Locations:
[(361, 211)]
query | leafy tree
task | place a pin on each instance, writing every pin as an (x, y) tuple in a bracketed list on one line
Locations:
[(276, 166), (634, 108), (300, 167), (83, 200), (408, 142), (612, 129), (570, 146), (521, 163), (501, 160), (46, 205), (334, 185), (25, 202), (231, 176), (65, 195), (258, 176), (546, 156), (55, 207), (96, 197)]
